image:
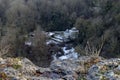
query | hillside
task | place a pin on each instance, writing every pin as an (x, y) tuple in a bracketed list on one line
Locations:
[(68, 39)]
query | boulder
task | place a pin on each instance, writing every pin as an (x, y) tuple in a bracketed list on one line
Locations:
[(20, 69), (71, 68), (105, 70)]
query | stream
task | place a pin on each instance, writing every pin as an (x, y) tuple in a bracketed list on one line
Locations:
[(61, 44), (66, 39)]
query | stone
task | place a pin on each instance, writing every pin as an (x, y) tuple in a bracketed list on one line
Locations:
[(28, 67), (109, 74), (118, 67), (11, 72), (73, 67), (105, 70)]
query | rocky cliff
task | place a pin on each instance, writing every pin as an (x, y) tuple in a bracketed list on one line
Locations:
[(83, 68)]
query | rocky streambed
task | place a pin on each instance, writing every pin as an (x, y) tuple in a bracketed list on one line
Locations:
[(64, 40)]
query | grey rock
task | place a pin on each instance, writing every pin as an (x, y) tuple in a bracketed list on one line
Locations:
[(105, 69)]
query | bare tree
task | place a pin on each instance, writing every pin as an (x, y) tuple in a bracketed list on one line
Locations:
[(39, 41), (39, 49)]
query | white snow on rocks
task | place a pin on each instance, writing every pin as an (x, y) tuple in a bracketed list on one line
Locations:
[(69, 54), (59, 37)]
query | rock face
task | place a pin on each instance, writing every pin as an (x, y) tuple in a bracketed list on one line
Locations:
[(20, 69), (87, 68), (66, 68), (70, 69), (83, 68), (105, 70)]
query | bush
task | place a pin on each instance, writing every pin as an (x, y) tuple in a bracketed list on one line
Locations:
[(39, 49)]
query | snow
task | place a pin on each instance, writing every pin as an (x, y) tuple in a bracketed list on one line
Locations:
[(50, 34), (69, 54), (28, 43), (72, 50), (57, 40), (54, 57), (51, 41), (59, 37), (64, 36), (63, 57)]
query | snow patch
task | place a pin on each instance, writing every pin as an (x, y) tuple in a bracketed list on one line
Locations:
[(69, 54), (28, 43)]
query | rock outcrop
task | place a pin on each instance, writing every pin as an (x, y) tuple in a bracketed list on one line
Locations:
[(70, 69), (20, 69), (83, 68), (105, 70)]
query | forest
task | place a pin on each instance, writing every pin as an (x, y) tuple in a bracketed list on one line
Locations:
[(98, 22)]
